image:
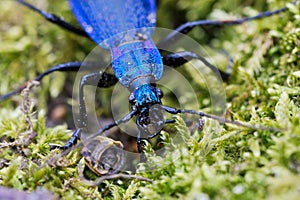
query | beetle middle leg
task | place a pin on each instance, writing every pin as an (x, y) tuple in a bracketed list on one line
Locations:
[(63, 67), (101, 80), (177, 59)]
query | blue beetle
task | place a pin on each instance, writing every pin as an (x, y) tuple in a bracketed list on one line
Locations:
[(125, 28)]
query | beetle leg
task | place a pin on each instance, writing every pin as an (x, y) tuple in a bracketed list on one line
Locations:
[(69, 66), (63, 67), (180, 58), (99, 79), (55, 19), (140, 144), (187, 27)]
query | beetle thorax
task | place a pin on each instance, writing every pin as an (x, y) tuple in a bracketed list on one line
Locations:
[(134, 60)]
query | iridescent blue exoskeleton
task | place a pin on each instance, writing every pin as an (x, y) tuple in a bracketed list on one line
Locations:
[(125, 28)]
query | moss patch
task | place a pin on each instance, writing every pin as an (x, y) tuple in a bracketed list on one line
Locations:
[(220, 162)]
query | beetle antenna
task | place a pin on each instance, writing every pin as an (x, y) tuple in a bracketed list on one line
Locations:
[(219, 119)]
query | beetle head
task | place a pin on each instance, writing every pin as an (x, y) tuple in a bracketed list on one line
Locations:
[(149, 114)]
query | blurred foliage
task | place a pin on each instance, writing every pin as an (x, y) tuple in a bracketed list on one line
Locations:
[(221, 162)]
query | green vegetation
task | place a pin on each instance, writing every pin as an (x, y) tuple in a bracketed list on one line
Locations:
[(220, 162)]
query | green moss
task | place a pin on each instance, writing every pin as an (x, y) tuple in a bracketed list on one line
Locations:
[(220, 162)]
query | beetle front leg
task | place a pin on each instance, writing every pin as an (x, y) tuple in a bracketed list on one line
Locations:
[(141, 145), (95, 79), (71, 142)]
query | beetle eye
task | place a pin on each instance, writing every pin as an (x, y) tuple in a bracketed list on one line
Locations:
[(160, 93), (131, 98)]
